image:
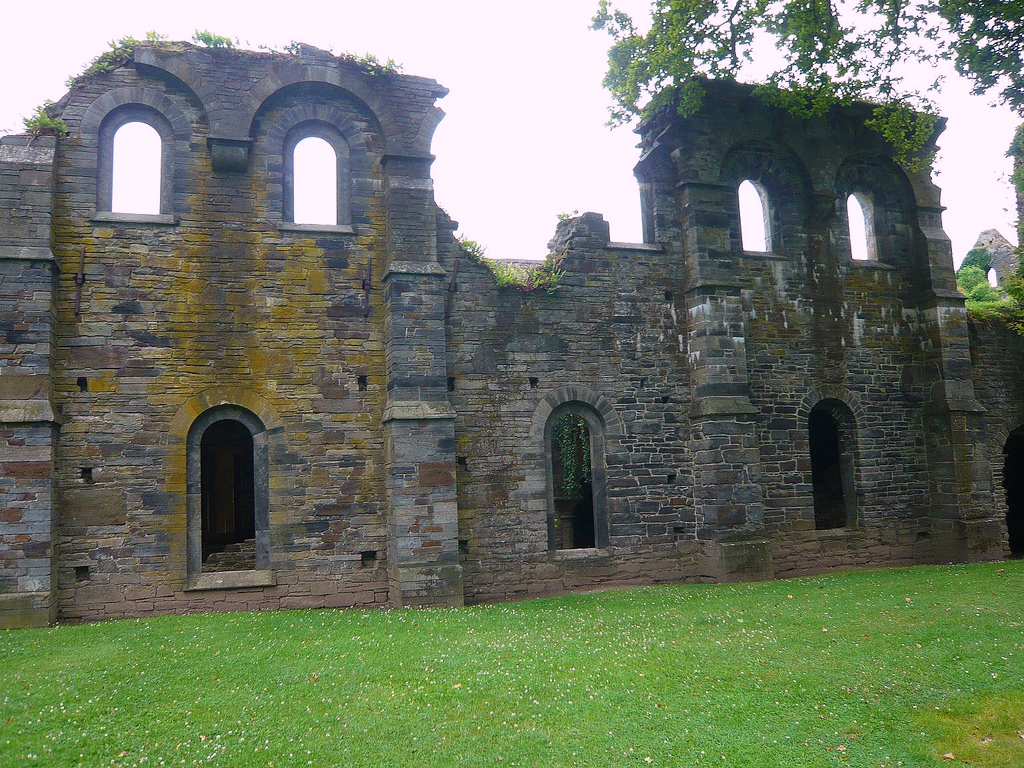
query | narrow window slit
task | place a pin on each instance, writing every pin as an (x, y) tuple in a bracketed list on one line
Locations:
[(861, 218)]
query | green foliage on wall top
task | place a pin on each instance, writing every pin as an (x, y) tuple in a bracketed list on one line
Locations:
[(544, 276), (42, 123)]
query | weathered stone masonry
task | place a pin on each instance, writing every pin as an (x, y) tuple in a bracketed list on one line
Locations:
[(386, 410)]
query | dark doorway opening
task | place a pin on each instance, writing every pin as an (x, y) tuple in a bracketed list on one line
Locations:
[(228, 498), (1013, 482), (831, 465), (573, 483)]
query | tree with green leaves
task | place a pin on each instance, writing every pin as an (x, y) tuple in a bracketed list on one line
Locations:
[(830, 51)]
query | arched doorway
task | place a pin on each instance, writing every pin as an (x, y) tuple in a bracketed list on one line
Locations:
[(830, 437), (1013, 482), (228, 497)]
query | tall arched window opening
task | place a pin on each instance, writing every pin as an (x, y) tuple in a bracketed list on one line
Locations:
[(755, 218), (228, 497), (830, 437), (1013, 482), (315, 182), (573, 483), (861, 217), (137, 156)]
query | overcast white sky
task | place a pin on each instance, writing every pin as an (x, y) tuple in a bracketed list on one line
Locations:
[(524, 138)]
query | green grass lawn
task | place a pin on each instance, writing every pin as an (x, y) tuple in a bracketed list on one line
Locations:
[(867, 668)]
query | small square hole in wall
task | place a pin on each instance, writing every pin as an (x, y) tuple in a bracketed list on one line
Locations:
[(464, 546), (668, 295), (461, 463), (361, 383), (670, 478), (451, 383), (643, 383), (534, 381), (87, 476), (665, 399), (368, 559), (82, 573), (679, 531), (83, 384)]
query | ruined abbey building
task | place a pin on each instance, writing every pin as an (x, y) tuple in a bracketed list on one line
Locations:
[(216, 405)]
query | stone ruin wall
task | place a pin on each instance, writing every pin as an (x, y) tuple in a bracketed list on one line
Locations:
[(403, 395), (223, 305)]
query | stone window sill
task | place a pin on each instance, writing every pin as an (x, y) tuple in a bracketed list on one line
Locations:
[(581, 554), (765, 255), (870, 264), (834, 533), (204, 582), (337, 229), (109, 217)]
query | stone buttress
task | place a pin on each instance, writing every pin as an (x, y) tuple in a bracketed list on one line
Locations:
[(28, 422)]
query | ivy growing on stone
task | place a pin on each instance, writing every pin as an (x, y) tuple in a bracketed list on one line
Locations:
[(571, 438), (208, 39), (120, 53)]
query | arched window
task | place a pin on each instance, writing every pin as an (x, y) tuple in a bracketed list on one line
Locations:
[(575, 441), (993, 277), (755, 217), (135, 164), (228, 493), (830, 429), (1013, 482), (135, 173), (860, 213), (316, 182), (316, 176)]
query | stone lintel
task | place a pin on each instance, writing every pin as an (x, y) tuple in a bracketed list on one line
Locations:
[(693, 183), (938, 297), (393, 158), (723, 405), (414, 268), (26, 253), (28, 412), (703, 286), (417, 410)]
